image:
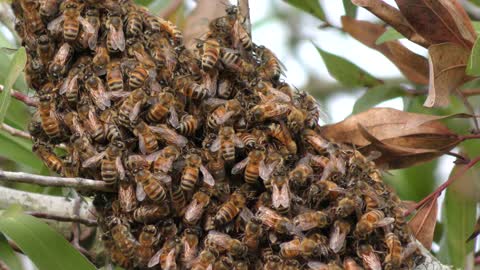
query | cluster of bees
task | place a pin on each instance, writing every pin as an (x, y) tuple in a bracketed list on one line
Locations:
[(216, 163)]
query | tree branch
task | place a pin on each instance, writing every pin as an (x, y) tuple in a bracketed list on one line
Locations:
[(170, 9), (29, 101), (16, 132), (73, 218), (53, 181)]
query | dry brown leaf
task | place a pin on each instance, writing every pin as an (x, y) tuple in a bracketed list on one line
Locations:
[(447, 63), (413, 66), (394, 18), (423, 223), (439, 21), (196, 24), (386, 123)]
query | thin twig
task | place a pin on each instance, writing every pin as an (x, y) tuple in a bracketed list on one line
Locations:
[(470, 108), (170, 9), (74, 218), (29, 101), (471, 92), (53, 181), (16, 132)]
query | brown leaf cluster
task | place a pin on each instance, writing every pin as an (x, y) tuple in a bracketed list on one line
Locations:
[(404, 139), (423, 223)]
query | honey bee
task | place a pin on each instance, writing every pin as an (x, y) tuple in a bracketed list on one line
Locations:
[(172, 30), (49, 158), (306, 247), (115, 254), (114, 76), (100, 60), (393, 260), (191, 171), (71, 165), (188, 125), (32, 17), (312, 219), (59, 64), (147, 140), (126, 197), (234, 62), (191, 88), (45, 49), (223, 263), (301, 173), (350, 264), (370, 221), (150, 213), (338, 234), (169, 136), (162, 52), (281, 194), (97, 91), (272, 263), (211, 53), (134, 22), (115, 35), (164, 161), (321, 190), (241, 38), (248, 139), (162, 105), (49, 8), (371, 199), (268, 93), (369, 258), (123, 238), (225, 89), (205, 260), (196, 207), (253, 234), (271, 67), (178, 200), (72, 20), (266, 111), (311, 106), (226, 143), (147, 239), (224, 243), (92, 16), (48, 116), (190, 246), (253, 164), (130, 107), (230, 209), (347, 205), (275, 221), (167, 255), (83, 147), (223, 113), (315, 265), (296, 119), (111, 167), (72, 121), (315, 140), (282, 134), (113, 133), (87, 115), (152, 22)]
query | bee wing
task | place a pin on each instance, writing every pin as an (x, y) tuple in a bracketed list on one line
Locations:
[(372, 261), (173, 118), (385, 222), (193, 211), (316, 265), (87, 27), (218, 238), (164, 178), (238, 142), (285, 196), (214, 102), (92, 40), (276, 200), (170, 135), (337, 239), (118, 94), (246, 214), (267, 169), (141, 144), (92, 161), (207, 176), (215, 145), (224, 118), (120, 168), (69, 84), (155, 259), (240, 166), (118, 38), (55, 25), (101, 98), (135, 111), (280, 96), (140, 192)]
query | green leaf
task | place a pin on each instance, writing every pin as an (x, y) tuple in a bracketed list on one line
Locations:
[(144, 2), (476, 2), (16, 66), (7, 255), (473, 66), (389, 35), (458, 215), (350, 8), (47, 249), (20, 151), (377, 95), (346, 72), (312, 7)]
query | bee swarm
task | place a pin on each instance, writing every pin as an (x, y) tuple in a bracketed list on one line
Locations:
[(215, 162)]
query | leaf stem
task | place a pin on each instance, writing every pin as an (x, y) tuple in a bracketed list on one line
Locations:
[(64, 218), (54, 181), (442, 187), (15, 132), (29, 101)]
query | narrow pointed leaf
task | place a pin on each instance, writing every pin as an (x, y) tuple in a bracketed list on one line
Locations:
[(16, 67), (7, 255), (312, 7), (473, 67), (423, 223), (45, 247), (350, 8)]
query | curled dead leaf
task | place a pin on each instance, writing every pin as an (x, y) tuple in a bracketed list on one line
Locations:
[(439, 21), (423, 223), (413, 66), (447, 63)]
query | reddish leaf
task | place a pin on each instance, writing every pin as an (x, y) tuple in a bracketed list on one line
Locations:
[(447, 63), (423, 223), (439, 21), (413, 66)]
